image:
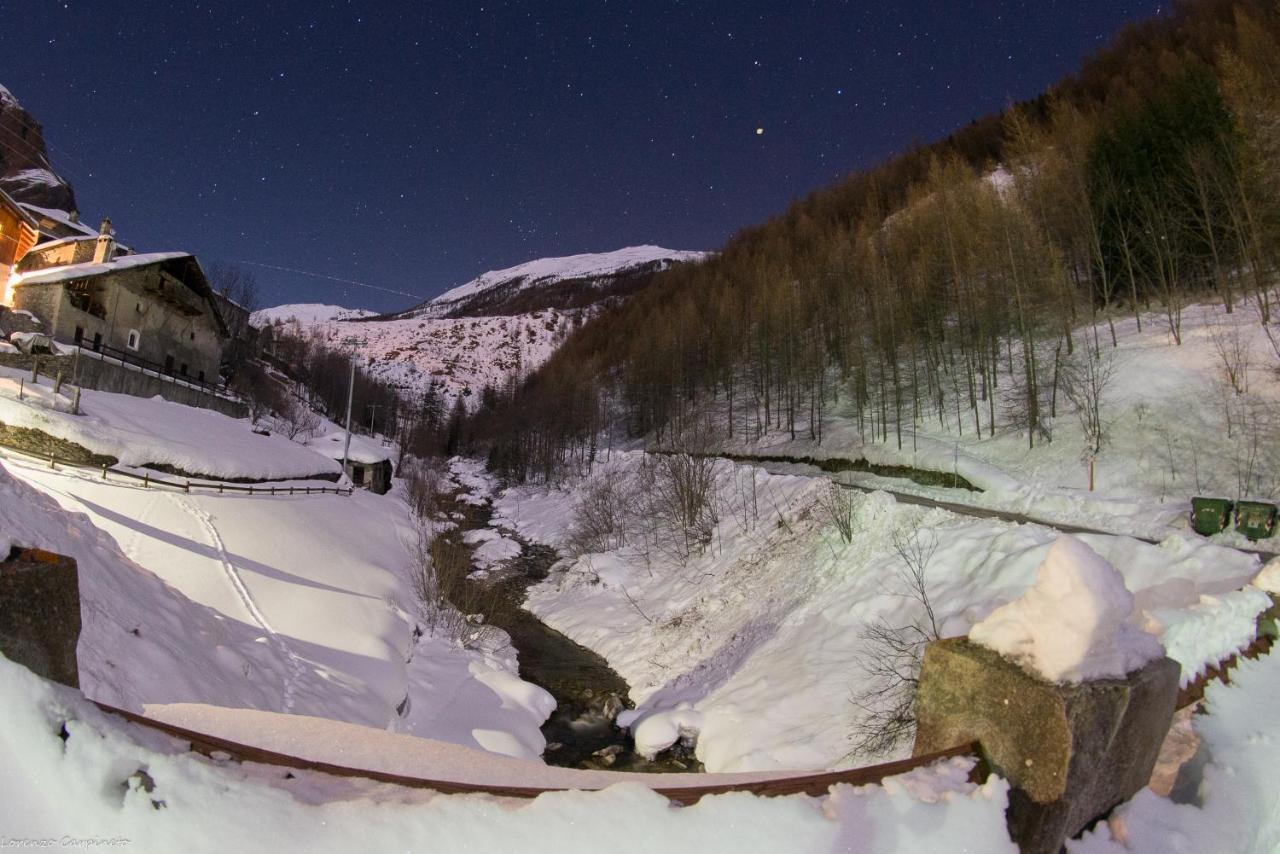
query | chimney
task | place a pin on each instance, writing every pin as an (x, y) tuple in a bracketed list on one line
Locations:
[(105, 249)]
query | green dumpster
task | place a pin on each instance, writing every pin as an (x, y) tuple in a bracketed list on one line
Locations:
[(1255, 519), (1210, 515)]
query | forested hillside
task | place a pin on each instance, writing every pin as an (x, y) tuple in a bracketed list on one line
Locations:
[(949, 283)]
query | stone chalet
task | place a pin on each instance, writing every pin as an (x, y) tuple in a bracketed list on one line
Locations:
[(156, 308)]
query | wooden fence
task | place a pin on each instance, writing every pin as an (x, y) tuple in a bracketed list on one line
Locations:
[(187, 485)]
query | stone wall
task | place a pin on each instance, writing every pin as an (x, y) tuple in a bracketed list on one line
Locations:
[(104, 375)]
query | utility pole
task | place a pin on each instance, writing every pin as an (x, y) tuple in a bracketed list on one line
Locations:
[(373, 411), (351, 390)]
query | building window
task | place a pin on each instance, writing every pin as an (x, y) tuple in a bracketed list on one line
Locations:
[(79, 335), (183, 369), (134, 339)]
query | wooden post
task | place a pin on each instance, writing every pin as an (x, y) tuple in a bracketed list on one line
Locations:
[(22, 386), (188, 486), (51, 461), (251, 489), (75, 402), (57, 384), (146, 479), (35, 369), (104, 471)]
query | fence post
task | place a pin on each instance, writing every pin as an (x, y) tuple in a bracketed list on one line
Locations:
[(57, 384), (188, 486), (251, 489), (219, 488), (51, 461), (35, 369), (22, 388), (104, 471), (273, 490), (146, 480), (75, 402)]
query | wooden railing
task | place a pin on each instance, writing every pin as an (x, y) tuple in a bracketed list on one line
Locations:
[(807, 784)]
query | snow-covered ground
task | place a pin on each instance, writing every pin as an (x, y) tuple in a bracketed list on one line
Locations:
[(140, 431), (297, 604), (756, 647), (1165, 415), (190, 803)]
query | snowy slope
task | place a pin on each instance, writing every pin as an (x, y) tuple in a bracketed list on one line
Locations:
[(757, 646), (1174, 427), (499, 326), (295, 604), (138, 431)]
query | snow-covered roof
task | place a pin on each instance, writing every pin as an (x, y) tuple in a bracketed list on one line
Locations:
[(84, 271), (61, 217), (50, 244), (591, 265), (6, 96), (363, 449)]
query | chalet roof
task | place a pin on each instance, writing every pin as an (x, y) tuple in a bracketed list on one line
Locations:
[(61, 217), (72, 272), (88, 270), (364, 450)]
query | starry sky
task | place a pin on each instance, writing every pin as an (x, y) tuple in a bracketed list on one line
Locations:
[(410, 145)]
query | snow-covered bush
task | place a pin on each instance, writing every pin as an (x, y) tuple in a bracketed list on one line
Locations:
[(604, 509)]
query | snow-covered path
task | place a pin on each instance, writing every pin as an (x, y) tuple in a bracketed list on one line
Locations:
[(961, 509), (233, 577)]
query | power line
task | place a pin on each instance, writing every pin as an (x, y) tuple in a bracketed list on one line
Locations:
[(334, 279)]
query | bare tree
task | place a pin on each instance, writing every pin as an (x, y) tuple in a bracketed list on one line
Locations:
[(891, 663), (838, 505), (1234, 352), (1086, 376), (297, 420)]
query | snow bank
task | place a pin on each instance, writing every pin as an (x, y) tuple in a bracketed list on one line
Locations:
[(139, 430), (194, 804), (656, 732), (1234, 802), (1209, 632), (1071, 625)]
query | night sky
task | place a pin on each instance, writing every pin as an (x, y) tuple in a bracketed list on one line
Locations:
[(413, 145)]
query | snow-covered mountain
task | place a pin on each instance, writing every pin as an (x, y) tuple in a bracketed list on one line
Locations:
[(25, 171), (573, 281), (307, 314), (501, 324)]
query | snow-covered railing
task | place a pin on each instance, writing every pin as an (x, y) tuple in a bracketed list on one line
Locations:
[(807, 784)]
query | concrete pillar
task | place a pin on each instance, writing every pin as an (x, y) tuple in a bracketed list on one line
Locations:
[(1070, 752)]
